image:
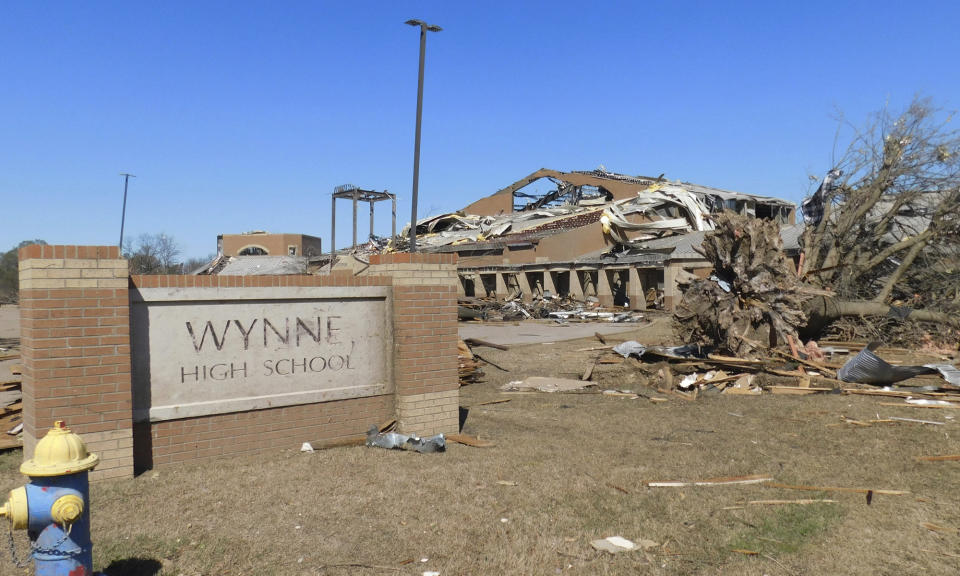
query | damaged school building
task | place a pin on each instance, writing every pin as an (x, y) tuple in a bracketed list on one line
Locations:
[(627, 241), (624, 240)]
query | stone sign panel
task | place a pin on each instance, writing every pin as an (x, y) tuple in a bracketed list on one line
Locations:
[(201, 351)]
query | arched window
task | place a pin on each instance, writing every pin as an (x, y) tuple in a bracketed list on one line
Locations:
[(253, 250)]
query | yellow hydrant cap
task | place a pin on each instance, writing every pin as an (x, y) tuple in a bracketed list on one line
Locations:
[(58, 453)]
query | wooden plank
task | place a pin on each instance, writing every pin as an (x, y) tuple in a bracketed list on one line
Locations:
[(889, 393), (489, 402), (468, 440), (723, 481), (594, 348), (800, 502), (944, 458), (589, 371), (734, 360), (838, 489), (905, 405), (796, 390), (478, 342)]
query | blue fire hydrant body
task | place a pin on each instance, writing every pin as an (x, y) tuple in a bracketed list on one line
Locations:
[(54, 507), (59, 550)]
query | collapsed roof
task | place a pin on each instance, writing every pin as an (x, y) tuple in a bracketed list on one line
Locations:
[(631, 210)]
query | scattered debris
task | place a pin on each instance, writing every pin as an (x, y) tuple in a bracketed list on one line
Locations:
[(630, 348), (478, 342), (613, 544), (545, 384), (868, 368), (937, 528), (11, 405), (469, 371), (396, 441), (915, 421), (563, 310)]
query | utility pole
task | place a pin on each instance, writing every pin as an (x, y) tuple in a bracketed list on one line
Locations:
[(424, 27), (123, 215)]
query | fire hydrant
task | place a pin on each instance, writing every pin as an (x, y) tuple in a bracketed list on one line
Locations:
[(54, 506)]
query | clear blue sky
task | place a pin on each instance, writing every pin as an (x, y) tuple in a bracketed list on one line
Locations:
[(244, 115)]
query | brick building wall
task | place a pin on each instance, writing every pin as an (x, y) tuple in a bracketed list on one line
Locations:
[(75, 326), (273, 244)]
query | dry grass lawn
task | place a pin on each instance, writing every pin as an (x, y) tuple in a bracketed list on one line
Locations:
[(566, 469)]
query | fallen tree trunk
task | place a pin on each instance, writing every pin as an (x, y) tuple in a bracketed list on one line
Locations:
[(822, 310)]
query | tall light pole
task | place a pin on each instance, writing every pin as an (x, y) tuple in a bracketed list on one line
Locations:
[(123, 216), (424, 27)]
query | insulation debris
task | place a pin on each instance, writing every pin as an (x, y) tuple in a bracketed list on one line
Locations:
[(397, 441)]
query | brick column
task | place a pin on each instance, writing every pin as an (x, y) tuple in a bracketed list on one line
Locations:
[(425, 340), (548, 282), (526, 290), (635, 290), (576, 285), (501, 285), (75, 344), (604, 289), (671, 293)]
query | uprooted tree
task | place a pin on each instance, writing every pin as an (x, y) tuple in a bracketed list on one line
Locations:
[(882, 237), (884, 226), (755, 298)]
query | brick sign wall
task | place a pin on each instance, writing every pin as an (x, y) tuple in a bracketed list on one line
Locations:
[(376, 346)]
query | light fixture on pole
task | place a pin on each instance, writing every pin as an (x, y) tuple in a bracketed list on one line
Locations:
[(123, 216), (424, 27)]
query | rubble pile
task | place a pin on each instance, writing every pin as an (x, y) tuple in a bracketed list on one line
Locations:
[(754, 296), (11, 397), (559, 309)]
